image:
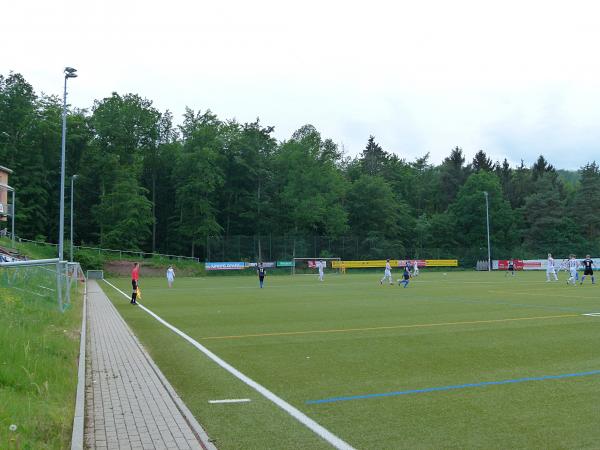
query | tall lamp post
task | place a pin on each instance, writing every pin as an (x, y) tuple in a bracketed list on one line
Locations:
[(72, 197), (487, 216), (69, 73)]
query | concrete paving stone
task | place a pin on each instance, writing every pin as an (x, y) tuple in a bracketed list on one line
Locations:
[(128, 404), (181, 443)]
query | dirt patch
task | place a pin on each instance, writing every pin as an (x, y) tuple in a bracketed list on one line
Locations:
[(123, 269)]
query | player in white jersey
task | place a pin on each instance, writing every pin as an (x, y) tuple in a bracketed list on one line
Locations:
[(416, 268), (550, 268), (387, 274), (170, 276), (321, 266), (573, 264)]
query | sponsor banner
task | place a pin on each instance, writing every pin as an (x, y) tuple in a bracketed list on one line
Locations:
[(266, 265), (360, 264), (441, 263), (224, 266), (538, 264), (314, 264), (535, 264), (559, 264), (503, 264), (285, 263), (401, 263)]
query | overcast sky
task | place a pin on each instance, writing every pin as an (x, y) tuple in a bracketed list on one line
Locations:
[(514, 78)]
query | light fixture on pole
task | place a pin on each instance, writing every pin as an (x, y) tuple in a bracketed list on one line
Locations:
[(72, 197), (487, 216), (69, 73)]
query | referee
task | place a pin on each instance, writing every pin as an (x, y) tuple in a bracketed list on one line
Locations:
[(135, 275)]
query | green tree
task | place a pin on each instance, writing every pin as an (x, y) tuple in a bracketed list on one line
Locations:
[(198, 176), (469, 211), (311, 186), (547, 226), (541, 167), (30, 146), (444, 237), (453, 174), (373, 158), (586, 202), (374, 208), (126, 126), (482, 162), (519, 187), (125, 215)]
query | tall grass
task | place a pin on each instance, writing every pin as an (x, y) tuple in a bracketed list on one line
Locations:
[(38, 370)]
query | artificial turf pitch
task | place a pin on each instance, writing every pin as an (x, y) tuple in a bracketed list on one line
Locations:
[(463, 360)]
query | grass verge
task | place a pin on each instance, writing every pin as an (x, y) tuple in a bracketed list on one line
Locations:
[(38, 371)]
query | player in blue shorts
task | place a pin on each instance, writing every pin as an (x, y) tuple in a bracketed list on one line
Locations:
[(588, 264), (405, 278)]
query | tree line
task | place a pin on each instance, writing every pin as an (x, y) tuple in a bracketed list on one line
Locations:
[(144, 183)]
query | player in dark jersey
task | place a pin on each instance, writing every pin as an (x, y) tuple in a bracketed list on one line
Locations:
[(405, 278), (260, 270), (511, 268), (588, 264)]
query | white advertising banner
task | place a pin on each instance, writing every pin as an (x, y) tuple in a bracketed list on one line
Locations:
[(540, 264)]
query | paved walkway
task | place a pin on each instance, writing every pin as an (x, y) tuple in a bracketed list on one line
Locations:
[(129, 403)]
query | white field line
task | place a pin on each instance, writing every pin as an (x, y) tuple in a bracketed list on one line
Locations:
[(542, 294), (291, 410), (230, 400)]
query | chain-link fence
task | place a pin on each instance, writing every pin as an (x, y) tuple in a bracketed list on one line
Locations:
[(285, 248), (46, 281)]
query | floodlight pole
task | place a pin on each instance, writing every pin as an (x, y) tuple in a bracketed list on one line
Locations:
[(69, 73), (72, 197), (487, 216)]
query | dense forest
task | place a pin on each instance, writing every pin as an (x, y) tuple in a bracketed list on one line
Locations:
[(219, 189)]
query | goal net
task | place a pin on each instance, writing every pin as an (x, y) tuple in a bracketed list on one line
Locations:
[(44, 281), (311, 265)]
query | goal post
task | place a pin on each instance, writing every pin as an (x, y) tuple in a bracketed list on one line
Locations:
[(48, 281), (311, 263)]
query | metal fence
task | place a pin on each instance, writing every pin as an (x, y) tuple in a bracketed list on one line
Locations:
[(49, 281), (285, 248), (121, 253)]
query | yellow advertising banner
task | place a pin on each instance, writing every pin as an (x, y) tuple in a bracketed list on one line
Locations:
[(362, 264), (441, 263), (395, 263)]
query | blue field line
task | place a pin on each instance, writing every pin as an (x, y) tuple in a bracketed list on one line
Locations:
[(449, 388)]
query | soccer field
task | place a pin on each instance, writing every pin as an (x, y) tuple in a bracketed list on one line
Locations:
[(463, 360)]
